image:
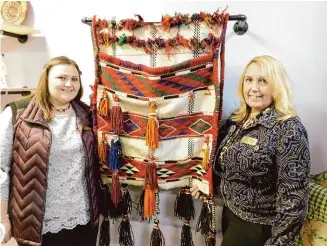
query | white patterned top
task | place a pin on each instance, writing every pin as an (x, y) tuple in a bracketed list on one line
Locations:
[(67, 201)]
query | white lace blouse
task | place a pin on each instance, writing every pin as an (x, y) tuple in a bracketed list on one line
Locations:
[(67, 202)]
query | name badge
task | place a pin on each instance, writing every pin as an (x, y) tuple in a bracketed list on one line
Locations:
[(250, 141)]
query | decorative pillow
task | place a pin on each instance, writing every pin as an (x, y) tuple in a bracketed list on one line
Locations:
[(321, 178), (314, 233)]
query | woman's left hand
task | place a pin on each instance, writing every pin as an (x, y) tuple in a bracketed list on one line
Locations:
[(196, 193)]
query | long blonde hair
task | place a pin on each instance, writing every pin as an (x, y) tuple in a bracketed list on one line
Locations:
[(42, 94), (275, 74)]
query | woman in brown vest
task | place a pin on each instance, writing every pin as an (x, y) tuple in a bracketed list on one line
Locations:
[(47, 148)]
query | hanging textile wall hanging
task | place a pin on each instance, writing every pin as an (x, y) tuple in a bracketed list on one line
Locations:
[(157, 100)]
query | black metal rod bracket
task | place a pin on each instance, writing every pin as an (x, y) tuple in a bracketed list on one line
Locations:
[(88, 21), (21, 38), (240, 27)]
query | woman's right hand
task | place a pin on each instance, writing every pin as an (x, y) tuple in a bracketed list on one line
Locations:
[(7, 226), (196, 193)]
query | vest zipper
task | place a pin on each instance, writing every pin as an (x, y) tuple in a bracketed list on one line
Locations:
[(45, 196), (88, 180)]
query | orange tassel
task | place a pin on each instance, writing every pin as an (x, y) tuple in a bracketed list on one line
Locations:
[(104, 109), (149, 202), (205, 152), (117, 116), (103, 150), (152, 132)]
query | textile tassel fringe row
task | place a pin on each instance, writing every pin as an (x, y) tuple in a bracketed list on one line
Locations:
[(149, 202), (115, 153), (115, 192), (117, 116), (126, 236), (203, 223), (186, 235), (104, 109), (157, 238), (105, 232), (184, 206), (103, 150), (152, 132)]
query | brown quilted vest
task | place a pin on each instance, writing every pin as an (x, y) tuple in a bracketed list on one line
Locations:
[(32, 142)]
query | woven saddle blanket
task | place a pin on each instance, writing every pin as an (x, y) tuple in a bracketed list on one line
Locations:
[(158, 97)]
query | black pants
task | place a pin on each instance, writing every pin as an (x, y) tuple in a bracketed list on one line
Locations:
[(238, 232), (81, 235)]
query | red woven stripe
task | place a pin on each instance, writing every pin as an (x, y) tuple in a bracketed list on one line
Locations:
[(171, 124), (157, 70), (178, 170)]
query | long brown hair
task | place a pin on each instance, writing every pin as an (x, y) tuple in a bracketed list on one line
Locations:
[(42, 94)]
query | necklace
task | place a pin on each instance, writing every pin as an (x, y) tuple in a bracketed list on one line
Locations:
[(62, 110)]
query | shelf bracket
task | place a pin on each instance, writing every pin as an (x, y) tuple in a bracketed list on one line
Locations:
[(21, 38)]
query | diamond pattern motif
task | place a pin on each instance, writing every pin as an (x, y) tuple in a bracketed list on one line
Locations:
[(198, 169), (130, 126), (164, 173), (129, 169), (166, 130), (200, 126)]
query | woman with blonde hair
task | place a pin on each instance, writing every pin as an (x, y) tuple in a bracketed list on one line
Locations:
[(263, 161), (47, 149)]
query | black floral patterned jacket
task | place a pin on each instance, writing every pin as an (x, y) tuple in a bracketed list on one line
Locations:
[(264, 173)]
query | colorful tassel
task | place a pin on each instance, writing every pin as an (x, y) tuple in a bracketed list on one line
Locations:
[(126, 236), (140, 206), (127, 200), (186, 235), (210, 240), (115, 192), (104, 109), (152, 132), (204, 220), (116, 116), (151, 176), (184, 206), (157, 238), (149, 202), (115, 153), (105, 225), (103, 150), (116, 211), (205, 152), (105, 232)]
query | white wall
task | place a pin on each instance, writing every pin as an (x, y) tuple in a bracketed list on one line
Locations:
[(293, 32)]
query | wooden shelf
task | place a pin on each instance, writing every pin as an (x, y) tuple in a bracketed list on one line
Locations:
[(17, 31), (23, 91)]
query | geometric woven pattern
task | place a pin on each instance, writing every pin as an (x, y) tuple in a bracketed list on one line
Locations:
[(166, 87), (198, 170), (200, 126), (129, 169)]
